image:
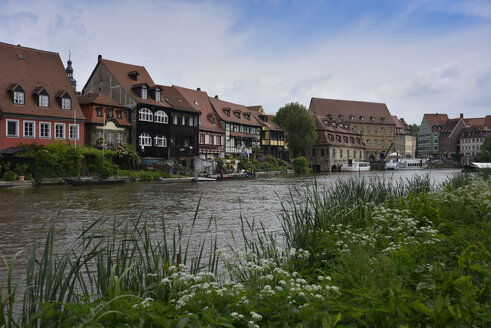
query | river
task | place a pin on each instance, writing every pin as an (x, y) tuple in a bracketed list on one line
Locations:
[(24, 211)]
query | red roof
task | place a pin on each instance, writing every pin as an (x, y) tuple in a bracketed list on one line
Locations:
[(221, 107), (33, 70), (351, 111), (90, 102), (201, 102), (336, 136), (436, 119)]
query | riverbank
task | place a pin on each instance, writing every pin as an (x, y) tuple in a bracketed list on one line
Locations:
[(368, 253)]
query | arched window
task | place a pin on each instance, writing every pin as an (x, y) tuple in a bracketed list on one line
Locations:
[(145, 114), (145, 140), (161, 117), (160, 141)]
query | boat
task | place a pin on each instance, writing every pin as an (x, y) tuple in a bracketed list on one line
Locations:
[(406, 164), (475, 166), (199, 179), (94, 181), (355, 166)]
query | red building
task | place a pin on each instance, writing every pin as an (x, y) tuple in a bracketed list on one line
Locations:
[(37, 100)]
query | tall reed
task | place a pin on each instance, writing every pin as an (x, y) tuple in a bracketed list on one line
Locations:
[(310, 213), (106, 259)]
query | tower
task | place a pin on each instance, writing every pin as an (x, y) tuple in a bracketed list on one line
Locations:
[(69, 73)]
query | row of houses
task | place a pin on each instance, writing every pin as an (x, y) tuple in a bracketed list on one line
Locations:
[(458, 138), (121, 103)]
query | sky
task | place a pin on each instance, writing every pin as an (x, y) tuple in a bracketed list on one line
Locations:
[(417, 56)]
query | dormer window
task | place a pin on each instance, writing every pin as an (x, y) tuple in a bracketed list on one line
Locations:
[(247, 116), (362, 117), (133, 75), (18, 94), (144, 94), (157, 95), (237, 113), (329, 116), (213, 121), (372, 118), (66, 103), (341, 117), (351, 117), (226, 111), (382, 119), (43, 101)]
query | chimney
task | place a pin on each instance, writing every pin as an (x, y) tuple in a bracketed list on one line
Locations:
[(198, 89), (99, 58), (216, 96), (461, 115)]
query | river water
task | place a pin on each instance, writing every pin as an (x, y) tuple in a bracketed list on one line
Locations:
[(24, 212)]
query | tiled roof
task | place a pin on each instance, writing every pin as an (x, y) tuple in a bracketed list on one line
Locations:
[(220, 105), (201, 102), (336, 136), (98, 99), (351, 111), (256, 112), (34, 69), (90, 102), (171, 96), (436, 119)]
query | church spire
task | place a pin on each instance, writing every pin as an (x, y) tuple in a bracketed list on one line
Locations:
[(69, 72)]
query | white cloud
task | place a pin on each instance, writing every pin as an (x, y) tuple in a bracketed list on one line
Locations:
[(198, 44)]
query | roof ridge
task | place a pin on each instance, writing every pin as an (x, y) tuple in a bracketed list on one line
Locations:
[(18, 46), (348, 100)]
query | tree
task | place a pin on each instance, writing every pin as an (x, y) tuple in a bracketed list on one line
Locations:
[(299, 127), (485, 154)]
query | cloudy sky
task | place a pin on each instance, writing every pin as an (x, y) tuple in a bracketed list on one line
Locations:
[(417, 56)]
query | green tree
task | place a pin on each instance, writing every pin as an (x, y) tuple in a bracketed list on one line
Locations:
[(299, 127), (485, 154)]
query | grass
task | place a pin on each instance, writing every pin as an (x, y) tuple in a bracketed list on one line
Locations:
[(365, 253)]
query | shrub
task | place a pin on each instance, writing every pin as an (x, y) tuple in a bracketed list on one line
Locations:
[(10, 176), (300, 164)]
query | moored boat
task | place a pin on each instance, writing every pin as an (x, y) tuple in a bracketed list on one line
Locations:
[(406, 164), (94, 181), (355, 166)]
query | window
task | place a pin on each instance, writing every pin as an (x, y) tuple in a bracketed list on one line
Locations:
[(119, 137), (161, 117), (201, 138), (382, 143), (145, 114), (382, 129), (210, 139), (110, 139), (66, 103), (19, 97), (375, 142), (157, 95), (127, 114), (362, 118), (43, 101), (119, 114), (12, 128), (144, 93), (372, 118), (368, 129), (375, 129), (368, 142), (109, 112), (29, 129), (313, 152), (144, 140), (390, 130), (219, 140), (99, 111), (73, 134), (59, 131), (322, 152), (44, 130), (160, 141)]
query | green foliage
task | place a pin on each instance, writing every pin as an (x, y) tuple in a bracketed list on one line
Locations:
[(299, 127), (125, 156), (485, 154), (300, 164), (10, 176)]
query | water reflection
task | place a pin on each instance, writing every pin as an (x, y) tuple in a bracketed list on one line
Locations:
[(24, 212)]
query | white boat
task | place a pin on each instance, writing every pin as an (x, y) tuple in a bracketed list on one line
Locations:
[(355, 166), (406, 164)]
